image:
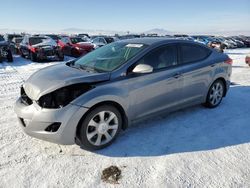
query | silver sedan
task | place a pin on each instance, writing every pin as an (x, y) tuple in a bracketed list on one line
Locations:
[(89, 100)]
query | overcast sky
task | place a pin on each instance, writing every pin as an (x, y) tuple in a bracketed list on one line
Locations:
[(129, 15)]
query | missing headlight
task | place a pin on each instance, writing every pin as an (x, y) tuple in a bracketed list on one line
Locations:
[(63, 96)]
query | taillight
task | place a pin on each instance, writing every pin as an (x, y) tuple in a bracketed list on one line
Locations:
[(229, 61), (32, 48)]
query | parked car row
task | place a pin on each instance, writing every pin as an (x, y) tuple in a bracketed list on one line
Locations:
[(54, 47)]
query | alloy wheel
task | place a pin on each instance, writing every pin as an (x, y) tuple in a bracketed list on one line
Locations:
[(102, 128), (216, 93)]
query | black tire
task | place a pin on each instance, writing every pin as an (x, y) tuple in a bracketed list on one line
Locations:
[(33, 57), (74, 53), (61, 56), (21, 53), (209, 103), (82, 136), (9, 56)]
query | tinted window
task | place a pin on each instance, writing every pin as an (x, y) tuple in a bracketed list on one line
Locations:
[(36, 40), (193, 53), (1, 38), (162, 57)]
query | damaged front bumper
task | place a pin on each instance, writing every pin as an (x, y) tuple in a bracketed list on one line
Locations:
[(49, 54), (53, 125)]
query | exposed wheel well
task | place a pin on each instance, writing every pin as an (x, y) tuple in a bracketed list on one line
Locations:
[(111, 103)]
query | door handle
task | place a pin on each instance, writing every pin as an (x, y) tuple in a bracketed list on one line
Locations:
[(177, 75)]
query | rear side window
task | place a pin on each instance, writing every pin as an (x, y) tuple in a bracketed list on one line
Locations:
[(36, 40), (193, 53)]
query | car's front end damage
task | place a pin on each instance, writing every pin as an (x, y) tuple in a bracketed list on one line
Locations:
[(48, 52), (46, 110)]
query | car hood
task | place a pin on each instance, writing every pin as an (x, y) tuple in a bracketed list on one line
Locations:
[(54, 77)]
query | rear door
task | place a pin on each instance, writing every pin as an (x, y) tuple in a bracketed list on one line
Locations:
[(196, 70)]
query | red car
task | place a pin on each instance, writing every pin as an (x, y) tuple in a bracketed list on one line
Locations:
[(75, 46), (248, 59)]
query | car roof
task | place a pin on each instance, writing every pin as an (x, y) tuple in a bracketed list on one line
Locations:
[(155, 40)]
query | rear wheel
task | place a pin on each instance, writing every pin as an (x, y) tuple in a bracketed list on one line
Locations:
[(21, 53), (74, 52), (33, 57), (60, 56), (215, 94), (100, 127)]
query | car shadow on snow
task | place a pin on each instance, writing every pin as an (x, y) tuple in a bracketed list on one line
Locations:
[(192, 129)]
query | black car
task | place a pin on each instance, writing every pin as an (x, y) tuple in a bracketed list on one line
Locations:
[(5, 52), (39, 48)]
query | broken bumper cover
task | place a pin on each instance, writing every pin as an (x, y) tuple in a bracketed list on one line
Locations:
[(35, 121)]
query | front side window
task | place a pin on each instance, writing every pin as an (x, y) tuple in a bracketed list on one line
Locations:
[(160, 58), (193, 53), (109, 57)]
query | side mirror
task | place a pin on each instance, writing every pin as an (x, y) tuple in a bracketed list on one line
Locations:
[(143, 68)]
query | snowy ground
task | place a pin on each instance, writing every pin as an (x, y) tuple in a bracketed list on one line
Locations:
[(195, 147)]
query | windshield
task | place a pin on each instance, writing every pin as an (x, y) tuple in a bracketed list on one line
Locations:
[(109, 57), (76, 40)]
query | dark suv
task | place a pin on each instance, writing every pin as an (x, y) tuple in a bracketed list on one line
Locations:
[(9, 38), (5, 52), (39, 48)]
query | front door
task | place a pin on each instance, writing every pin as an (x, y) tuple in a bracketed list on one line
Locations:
[(158, 90)]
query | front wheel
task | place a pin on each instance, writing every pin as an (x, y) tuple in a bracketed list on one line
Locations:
[(215, 94), (100, 127)]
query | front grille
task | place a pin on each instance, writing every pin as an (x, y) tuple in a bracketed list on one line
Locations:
[(24, 98)]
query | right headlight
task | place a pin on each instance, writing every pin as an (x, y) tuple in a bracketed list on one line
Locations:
[(63, 96)]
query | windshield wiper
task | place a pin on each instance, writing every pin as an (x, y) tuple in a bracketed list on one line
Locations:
[(87, 68)]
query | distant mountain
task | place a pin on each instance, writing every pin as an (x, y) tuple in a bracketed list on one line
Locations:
[(92, 31)]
